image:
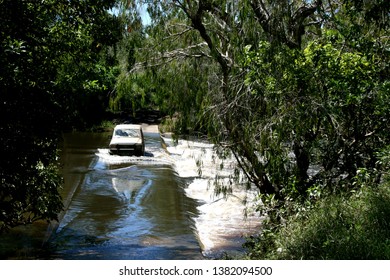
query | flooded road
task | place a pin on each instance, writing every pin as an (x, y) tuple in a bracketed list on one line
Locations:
[(157, 206), (124, 207)]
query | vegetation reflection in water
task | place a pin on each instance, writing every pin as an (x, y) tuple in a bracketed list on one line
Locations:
[(151, 207), (128, 211)]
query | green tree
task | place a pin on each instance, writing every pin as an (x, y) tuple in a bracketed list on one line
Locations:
[(296, 91), (153, 59), (218, 32), (38, 39), (294, 88), (129, 91), (86, 63)]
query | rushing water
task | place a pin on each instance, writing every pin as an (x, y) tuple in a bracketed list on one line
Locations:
[(159, 206)]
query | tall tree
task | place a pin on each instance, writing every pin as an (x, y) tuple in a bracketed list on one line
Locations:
[(37, 40), (297, 86)]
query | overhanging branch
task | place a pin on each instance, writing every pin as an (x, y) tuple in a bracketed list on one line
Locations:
[(193, 51)]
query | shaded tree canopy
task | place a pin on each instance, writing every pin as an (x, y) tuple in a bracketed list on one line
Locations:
[(44, 46), (294, 90)]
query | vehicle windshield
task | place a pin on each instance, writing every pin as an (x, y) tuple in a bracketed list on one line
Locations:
[(127, 133)]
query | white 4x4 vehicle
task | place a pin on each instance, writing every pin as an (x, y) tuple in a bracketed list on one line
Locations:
[(127, 139)]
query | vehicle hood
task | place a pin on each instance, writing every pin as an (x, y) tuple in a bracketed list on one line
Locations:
[(125, 141)]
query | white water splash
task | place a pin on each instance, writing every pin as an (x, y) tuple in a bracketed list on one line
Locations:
[(157, 157), (223, 221)]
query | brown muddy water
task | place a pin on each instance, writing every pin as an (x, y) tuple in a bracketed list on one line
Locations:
[(124, 210), (119, 207)]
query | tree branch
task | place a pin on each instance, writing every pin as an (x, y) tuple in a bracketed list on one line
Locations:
[(169, 56), (262, 14), (296, 27)]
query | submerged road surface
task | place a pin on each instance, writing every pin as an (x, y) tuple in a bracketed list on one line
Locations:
[(157, 206)]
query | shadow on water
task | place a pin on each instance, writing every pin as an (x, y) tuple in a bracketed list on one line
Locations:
[(118, 210)]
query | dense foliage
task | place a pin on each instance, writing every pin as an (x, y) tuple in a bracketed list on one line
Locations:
[(338, 227), (283, 86), (297, 91), (53, 74)]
